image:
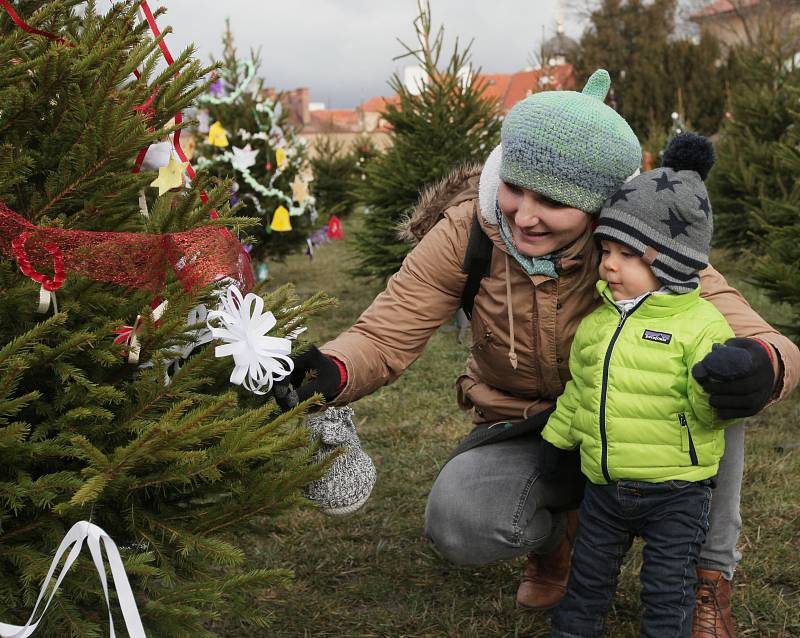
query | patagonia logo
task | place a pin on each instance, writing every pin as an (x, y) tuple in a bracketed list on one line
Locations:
[(660, 337)]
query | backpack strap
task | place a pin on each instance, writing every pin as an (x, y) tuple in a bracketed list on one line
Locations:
[(477, 261)]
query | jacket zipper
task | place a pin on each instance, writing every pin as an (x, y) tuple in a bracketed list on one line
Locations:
[(623, 316), (685, 424)]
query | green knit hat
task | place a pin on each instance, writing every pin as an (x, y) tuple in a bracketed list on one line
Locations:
[(569, 146)]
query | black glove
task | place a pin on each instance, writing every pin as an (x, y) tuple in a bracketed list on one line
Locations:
[(326, 379), (738, 376), (556, 463)]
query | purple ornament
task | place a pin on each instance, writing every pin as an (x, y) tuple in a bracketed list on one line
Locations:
[(216, 89)]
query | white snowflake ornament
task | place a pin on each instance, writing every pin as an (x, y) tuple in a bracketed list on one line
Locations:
[(259, 360)]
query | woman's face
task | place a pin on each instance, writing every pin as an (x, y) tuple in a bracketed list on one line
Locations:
[(539, 226)]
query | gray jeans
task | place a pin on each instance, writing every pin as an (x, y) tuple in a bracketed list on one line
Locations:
[(490, 503)]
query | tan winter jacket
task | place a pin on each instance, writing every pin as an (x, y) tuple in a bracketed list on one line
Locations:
[(517, 318)]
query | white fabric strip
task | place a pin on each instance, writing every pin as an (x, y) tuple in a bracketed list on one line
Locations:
[(93, 535)]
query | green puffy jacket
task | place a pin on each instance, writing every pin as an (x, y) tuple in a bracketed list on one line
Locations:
[(632, 405)]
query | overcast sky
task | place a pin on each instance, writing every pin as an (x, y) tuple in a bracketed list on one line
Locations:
[(342, 50)]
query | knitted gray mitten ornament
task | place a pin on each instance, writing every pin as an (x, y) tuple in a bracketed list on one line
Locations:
[(349, 481)]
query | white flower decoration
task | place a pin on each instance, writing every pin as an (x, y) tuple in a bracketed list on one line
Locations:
[(259, 360)]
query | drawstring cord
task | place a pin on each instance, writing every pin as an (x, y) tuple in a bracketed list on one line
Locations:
[(512, 356)]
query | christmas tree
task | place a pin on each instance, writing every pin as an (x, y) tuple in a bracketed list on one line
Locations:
[(752, 177), (767, 195), (443, 124), (246, 136), (338, 173), (134, 427)]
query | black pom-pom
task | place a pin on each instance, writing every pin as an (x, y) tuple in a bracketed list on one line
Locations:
[(689, 152)]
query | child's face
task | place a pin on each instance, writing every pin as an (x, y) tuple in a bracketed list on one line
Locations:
[(627, 274)]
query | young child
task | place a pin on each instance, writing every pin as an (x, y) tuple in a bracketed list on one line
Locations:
[(647, 435)]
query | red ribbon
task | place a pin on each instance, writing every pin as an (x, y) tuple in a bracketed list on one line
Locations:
[(26, 27), (48, 283)]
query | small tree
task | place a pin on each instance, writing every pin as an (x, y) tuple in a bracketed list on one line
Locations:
[(167, 456), (247, 137), (333, 170), (447, 123), (751, 173)]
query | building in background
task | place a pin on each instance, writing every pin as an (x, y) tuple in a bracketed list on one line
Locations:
[(751, 22)]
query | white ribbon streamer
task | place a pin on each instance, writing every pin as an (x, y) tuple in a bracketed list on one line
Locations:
[(259, 360), (93, 535)]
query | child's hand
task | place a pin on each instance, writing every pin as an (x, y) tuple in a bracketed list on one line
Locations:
[(738, 376)]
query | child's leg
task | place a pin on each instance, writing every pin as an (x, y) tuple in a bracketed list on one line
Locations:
[(719, 551), (673, 532), (600, 545)]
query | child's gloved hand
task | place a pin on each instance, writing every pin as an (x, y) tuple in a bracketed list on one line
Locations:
[(738, 376), (555, 462)]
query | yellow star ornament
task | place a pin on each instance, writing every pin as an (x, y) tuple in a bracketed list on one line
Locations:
[(169, 176), (280, 157), (299, 190)]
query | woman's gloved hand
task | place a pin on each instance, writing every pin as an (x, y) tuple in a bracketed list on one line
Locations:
[(738, 376), (326, 379)]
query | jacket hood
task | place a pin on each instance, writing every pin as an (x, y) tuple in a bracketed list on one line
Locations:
[(459, 186)]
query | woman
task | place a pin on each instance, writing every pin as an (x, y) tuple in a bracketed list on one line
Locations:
[(562, 155)]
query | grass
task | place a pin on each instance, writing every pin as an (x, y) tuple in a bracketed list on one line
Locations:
[(374, 574)]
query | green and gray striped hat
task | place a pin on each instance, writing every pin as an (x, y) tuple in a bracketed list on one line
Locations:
[(569, 146), (665, 215)]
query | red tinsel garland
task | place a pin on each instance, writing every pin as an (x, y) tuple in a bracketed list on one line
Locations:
[(134, 260)]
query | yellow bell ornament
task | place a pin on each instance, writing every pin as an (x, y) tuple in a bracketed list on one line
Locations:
[(217, 135), (280, 220)]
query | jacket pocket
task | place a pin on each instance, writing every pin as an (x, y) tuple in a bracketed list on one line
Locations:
[(687, 443)]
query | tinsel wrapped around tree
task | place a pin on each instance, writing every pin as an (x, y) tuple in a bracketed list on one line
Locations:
[(164, 453), (445, 124), (246, 136)]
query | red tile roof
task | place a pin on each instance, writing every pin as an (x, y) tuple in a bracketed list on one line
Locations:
[(723, 6), (378, 104), (333, 119)]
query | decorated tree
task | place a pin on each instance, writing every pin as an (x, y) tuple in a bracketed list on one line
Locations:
[(115, 406), (446, 122), (246, 136)]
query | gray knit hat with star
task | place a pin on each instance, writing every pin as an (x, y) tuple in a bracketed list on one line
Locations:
[(665, 216), (569, 146)]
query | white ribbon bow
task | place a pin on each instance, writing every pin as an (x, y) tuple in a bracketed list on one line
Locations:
[(259, 360), (92, 534)]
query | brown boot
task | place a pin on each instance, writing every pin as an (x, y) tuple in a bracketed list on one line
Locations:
[(712, 611), (544, 581)]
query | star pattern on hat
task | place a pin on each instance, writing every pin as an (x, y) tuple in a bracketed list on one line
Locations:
[(703, 203), (677, 226), (664, 182), (620, 196)]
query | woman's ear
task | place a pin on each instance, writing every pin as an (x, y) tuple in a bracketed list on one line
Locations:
[(489, 184)]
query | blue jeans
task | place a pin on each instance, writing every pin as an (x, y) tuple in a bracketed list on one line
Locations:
[(491, 504), (672, 518)]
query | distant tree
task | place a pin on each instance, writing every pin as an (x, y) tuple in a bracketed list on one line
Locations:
[(653, 72), (448, 123)]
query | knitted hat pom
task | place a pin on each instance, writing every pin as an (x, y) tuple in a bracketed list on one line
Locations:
[(689, 152)]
